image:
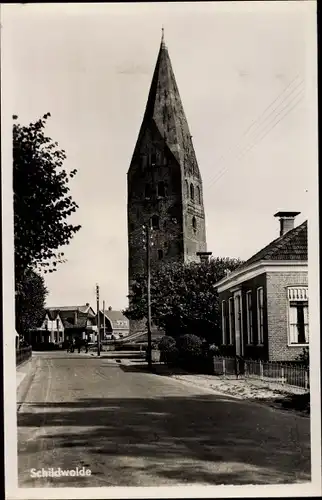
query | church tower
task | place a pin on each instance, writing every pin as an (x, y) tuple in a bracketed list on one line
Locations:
[(164, 181)]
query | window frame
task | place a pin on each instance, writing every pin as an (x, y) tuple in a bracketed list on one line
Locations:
[(231, 322), (260, 315), (291, 301), (224, 321), (249, 317)]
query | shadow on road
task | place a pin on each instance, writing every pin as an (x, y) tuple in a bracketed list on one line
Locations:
[(204, 438)]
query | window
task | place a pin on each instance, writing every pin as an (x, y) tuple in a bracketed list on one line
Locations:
[(298, 315), (155, 222), (147, 190), (192, 192), (249, 316), (143, 161), (231, 320), (160, 254), (260, 315), (161, 189), (194, 223), (223, 322), (187, 188), (153, 159), (198, 195)]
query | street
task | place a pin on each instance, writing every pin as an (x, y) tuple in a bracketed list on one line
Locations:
[(133, 428)]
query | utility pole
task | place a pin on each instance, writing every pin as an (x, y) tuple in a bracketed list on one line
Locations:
[(98, 321), (148, 274), (104, 319)]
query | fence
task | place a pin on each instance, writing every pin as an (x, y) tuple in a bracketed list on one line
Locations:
[(23, 354), (281, 374)]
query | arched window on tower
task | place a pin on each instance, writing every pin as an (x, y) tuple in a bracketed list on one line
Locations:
[(198, 195), (147, 191), (153, 159), (187, 188), (161, 189), (194, 223), (155, 222), (192, 192)]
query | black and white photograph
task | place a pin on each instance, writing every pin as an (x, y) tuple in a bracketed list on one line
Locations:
[(160, 250)]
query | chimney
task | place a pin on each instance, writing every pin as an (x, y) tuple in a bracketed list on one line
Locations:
[(286, 221), (204, 256)]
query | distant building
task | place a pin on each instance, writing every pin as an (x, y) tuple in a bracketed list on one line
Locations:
[(115, 323), (51, 329), (61, 324), (264, 302), (164, 182)]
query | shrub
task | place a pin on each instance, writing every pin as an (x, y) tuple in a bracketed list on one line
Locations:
[(189, 345), (304, 357), (168, 350)]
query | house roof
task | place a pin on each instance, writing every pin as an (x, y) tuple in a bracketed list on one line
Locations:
[(115, 317), (291, 246)]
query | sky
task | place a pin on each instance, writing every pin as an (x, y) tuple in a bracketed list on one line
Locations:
[(246, 74)]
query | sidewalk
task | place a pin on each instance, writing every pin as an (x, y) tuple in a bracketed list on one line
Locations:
[(23, 370), (242, 389)]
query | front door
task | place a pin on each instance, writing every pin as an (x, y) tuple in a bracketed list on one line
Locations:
[(238, 325)]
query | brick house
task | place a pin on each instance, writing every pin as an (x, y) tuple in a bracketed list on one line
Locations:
[(79, 321), (264, 302)]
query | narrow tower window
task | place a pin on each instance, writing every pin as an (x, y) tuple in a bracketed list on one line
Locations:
[(160, 254), (192, 192), (161, 189), (147, 190), (187, 188), (155, 222), (198, 195), (153, 159), (194, 223)]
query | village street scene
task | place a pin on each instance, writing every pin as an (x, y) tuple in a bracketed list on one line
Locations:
[(162, 325)]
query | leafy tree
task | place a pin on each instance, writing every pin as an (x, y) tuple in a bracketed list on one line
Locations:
[(42, 203), (183, 298), (30, 301)]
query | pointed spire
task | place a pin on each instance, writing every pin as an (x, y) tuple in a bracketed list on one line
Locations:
[(164, 108), (162, 37)]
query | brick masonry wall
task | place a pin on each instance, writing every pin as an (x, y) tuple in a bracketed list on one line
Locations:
[(277, 314)]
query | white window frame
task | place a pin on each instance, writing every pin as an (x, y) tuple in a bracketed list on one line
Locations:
[(224, 322), (231, 325), (249, 312), (297, 294), (260, 315)]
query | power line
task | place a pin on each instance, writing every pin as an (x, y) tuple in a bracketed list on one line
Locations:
[(243, 153), (259, 120), (221, 172)]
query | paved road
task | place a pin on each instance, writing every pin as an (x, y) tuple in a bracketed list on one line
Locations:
[(132, 428)]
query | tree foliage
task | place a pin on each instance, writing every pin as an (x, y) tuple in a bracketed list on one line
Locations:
[(183, 298), (30, 301), (42, 203)]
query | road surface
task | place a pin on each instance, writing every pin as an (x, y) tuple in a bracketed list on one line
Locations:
[(132, 428)]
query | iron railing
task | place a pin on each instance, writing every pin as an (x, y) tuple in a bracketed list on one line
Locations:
[(281, 374)]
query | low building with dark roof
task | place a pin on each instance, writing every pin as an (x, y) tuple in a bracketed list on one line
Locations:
[(115, 323), (264, 302)]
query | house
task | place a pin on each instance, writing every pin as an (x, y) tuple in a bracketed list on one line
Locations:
[(115, 323), (264, 302), (79, 321), (51, 330)]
